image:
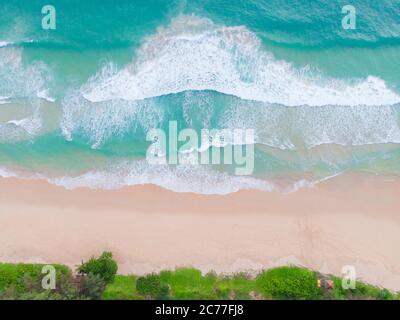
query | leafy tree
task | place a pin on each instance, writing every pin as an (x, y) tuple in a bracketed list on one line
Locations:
[(104, 266)]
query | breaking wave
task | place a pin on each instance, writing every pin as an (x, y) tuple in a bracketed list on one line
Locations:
[(195, 54)]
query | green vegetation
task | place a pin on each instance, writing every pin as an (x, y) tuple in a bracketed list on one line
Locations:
[(20, 279), (123, 288), (362, 291), (277, 283), (92, 286), (289, 283), (19, 274), (189, 284), (97, 279), (104, 266), (24, 281), (151, 286)]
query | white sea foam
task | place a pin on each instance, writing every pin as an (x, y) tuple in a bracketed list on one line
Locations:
[(274, 125), (4, 100), (195, 54), (308, 127), (6, 173), (4, 44), (26, 83), (24, 127), (181, 178), (102, 121), (30, 125), (44, 94), (18, 80)]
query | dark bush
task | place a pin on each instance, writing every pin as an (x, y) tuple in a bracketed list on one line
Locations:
[(150, 286), (92, 287)]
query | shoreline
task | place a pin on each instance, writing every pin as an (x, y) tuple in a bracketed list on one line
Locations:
[(353, 219)]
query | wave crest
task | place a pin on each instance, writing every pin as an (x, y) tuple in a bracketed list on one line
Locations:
[(195, 54)]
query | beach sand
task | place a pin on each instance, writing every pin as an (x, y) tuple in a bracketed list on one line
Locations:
[(349, 220)]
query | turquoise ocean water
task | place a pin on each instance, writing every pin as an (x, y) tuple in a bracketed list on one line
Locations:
[(76, 102)]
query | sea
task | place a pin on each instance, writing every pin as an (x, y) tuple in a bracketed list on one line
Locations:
[(82, 84)]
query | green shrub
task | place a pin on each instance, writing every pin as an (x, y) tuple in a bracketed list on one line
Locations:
[(24, 282), (25, 277), (288, 283), (385, 294), (104, 266), (68, 289), (92, 286), (149, 285)]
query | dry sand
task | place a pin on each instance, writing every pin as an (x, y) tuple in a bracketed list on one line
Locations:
[(349, 220)]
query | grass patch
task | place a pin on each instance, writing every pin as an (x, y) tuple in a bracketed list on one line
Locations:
[(238, 286), (122, 288), (189, 283)]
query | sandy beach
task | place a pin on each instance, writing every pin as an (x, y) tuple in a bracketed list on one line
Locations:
[(350, 220)]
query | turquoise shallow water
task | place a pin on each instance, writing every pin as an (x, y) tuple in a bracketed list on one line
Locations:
[(76, 102)]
